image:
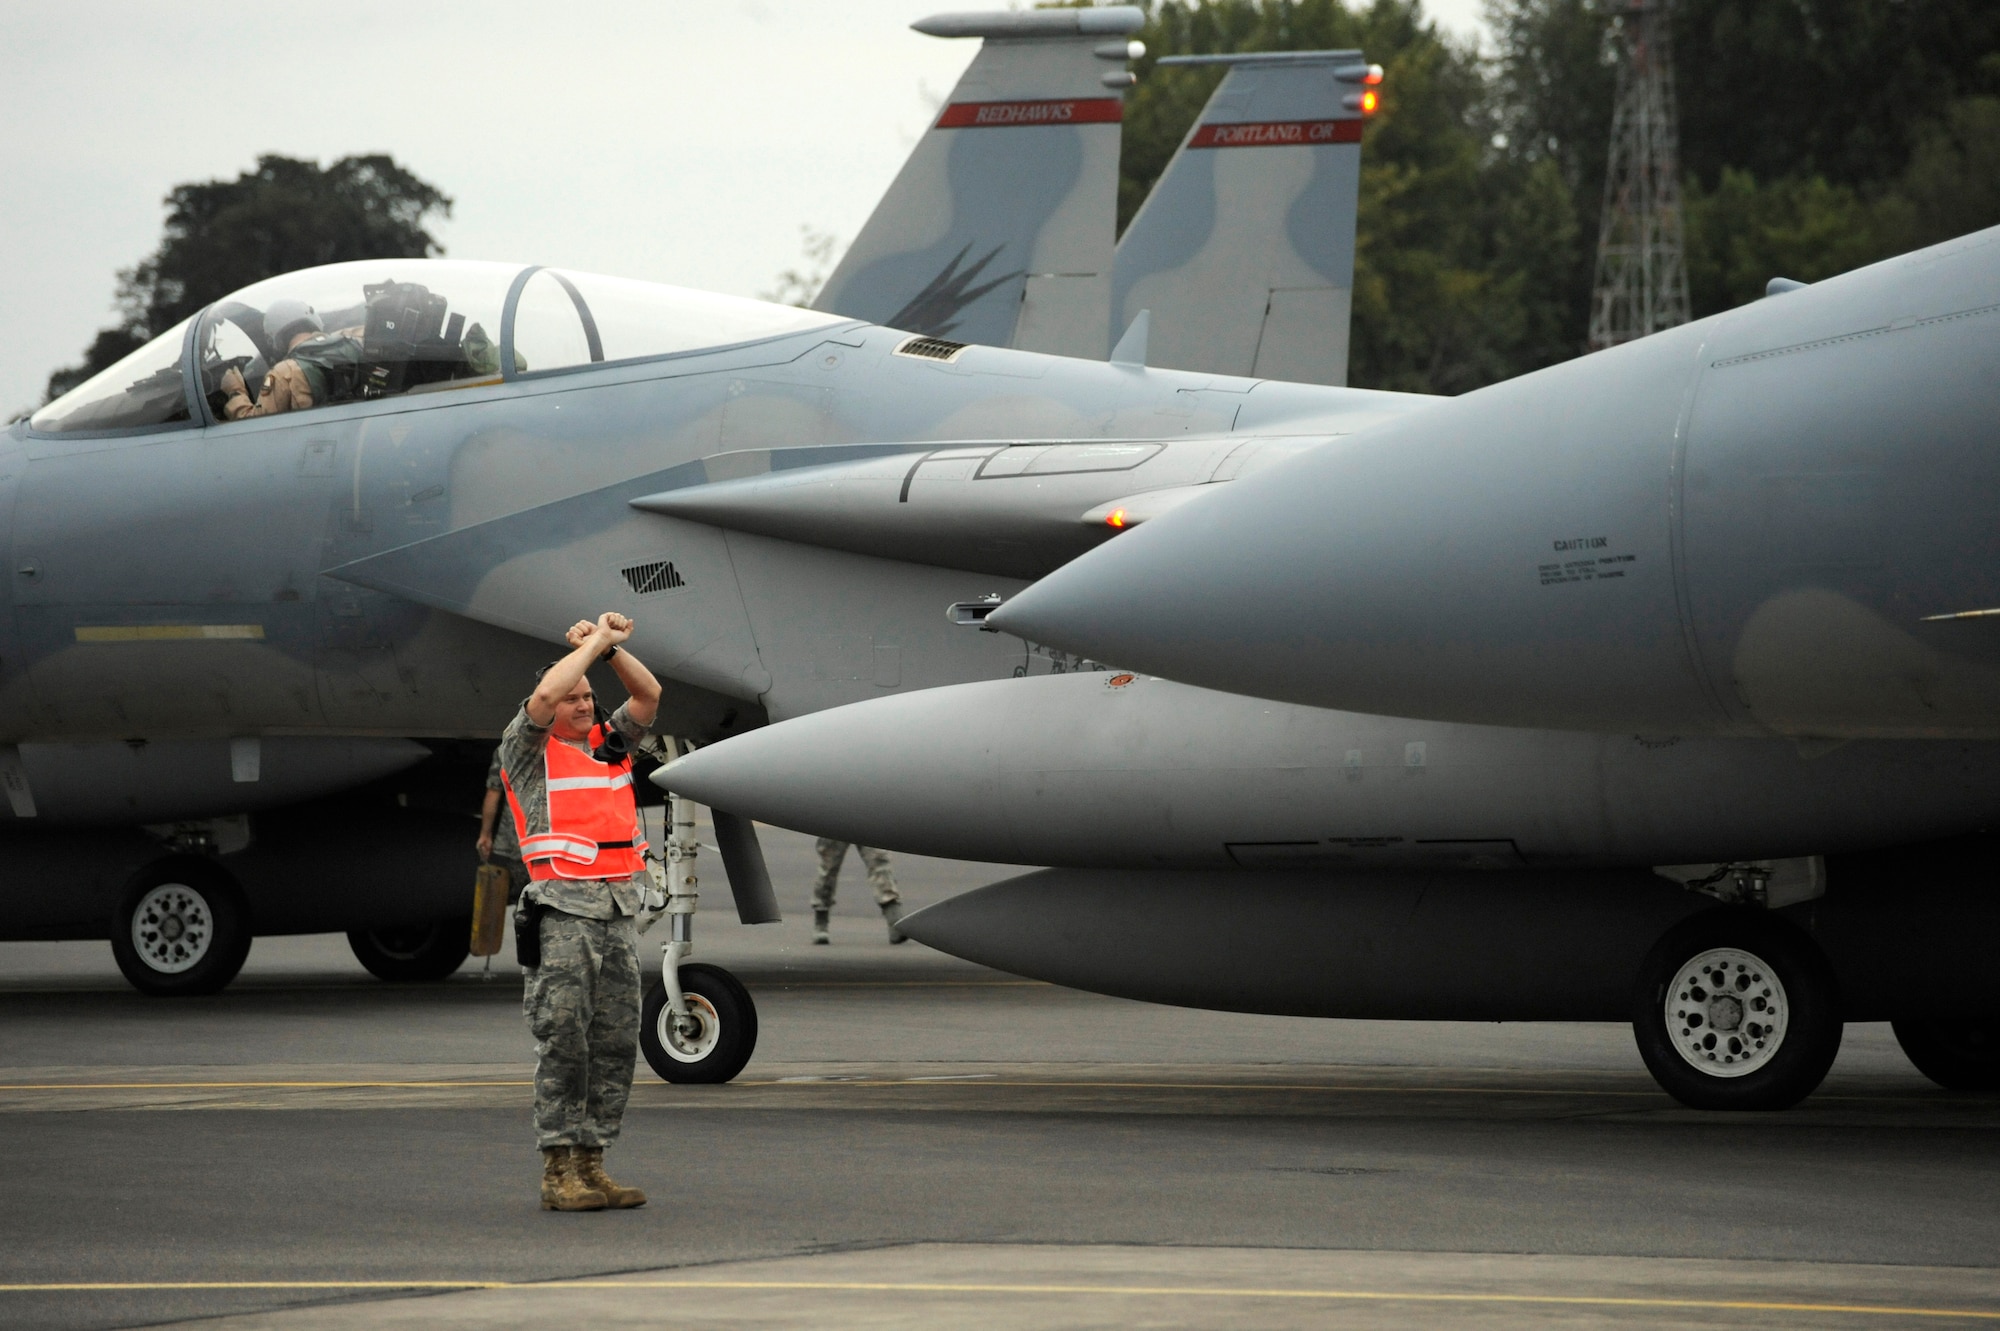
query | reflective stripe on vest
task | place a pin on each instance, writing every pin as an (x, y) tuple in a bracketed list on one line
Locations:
[(593, 818)]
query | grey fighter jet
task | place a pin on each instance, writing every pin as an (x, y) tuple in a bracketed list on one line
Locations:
[(176, 767), (491, 447), (1308, 583)]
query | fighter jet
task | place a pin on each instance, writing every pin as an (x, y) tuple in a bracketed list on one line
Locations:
[(1773, 521), (192, 700), (1419, 894)]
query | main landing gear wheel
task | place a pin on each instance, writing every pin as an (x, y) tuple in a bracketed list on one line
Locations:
[(725, 1034), (1957, 1055), (414, 951), (181, 928), (1737, 1010)]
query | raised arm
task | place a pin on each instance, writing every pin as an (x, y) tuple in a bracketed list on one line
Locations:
[(640, 684), (588, 642)]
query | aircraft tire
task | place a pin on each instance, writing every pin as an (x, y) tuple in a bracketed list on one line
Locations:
[(417, 952), (729, 1028), (1763, 1038), (1957, 1055), (182, 928)]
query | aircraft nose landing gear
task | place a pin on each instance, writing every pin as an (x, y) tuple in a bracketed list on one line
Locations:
[(698, 1024)]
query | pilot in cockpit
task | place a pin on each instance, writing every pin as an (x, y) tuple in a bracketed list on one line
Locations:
[(318, 367)]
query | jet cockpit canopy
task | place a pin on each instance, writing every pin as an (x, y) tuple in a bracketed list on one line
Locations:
[(357, 332), (375, 329)]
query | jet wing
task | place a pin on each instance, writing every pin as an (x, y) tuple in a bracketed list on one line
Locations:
[(545, 565), (1009, 508)]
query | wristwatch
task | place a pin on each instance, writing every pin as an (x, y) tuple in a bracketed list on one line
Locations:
[(611, 652)]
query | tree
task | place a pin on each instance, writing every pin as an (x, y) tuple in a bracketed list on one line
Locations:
[(1816, 135), (283, 215), (820, 253)]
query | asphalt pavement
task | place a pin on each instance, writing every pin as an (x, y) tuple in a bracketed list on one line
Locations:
[(922, 1142)]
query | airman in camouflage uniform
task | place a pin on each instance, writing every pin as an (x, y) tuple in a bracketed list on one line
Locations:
[(831, 853), (497, 843), (582, 1001)]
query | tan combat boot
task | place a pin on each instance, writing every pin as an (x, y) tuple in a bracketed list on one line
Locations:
[(562, 1189), (589, 1166), (892, 913)]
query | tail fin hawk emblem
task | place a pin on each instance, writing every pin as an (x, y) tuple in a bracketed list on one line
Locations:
[(935, 309)]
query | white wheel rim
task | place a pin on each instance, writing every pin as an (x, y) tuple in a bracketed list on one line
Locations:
[(172, 928), (1726, 1012), (690, 1049)]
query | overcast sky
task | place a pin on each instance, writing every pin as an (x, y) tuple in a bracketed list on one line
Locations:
[(669, 140)]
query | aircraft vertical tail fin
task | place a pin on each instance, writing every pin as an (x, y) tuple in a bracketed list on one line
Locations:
[(1244, 251), (1000, 227)]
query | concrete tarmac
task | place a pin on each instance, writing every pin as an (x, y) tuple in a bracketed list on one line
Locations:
[(921, 1142)]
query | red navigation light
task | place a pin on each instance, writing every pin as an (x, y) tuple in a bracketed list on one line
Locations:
[(1117, 518), (1373, 76)]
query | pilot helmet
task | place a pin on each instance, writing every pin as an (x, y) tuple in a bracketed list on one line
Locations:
[(285, 318)]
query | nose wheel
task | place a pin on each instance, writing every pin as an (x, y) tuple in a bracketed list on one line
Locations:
[(698, 1025), (714, 1041)]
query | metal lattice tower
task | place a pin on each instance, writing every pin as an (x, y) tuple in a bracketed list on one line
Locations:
[(1641, 285)]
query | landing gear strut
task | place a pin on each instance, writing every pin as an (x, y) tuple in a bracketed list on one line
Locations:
[(698, 1024)]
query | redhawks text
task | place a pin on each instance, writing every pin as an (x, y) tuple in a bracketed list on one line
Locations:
[(1069, 111)]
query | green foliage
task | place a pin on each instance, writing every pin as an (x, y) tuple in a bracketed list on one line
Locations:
[(1841, 89), (1741, 234), (284, 215), (1816, 136)]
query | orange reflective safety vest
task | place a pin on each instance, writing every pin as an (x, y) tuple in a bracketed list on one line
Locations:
[(593, 819)]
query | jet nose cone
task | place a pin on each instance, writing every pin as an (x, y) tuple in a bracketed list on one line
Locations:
[(1218, 576), (1501, 557)]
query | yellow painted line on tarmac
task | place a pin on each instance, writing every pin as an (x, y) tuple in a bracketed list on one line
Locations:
[(835, 1079), (1102, 1291), (245, 1085), (910, 984), (168, 632), (476, 981)]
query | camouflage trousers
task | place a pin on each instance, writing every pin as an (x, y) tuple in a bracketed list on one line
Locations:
[(582, 1005), (831, 853)]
